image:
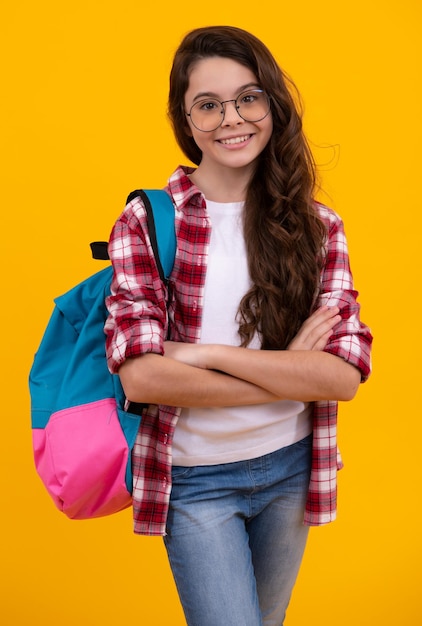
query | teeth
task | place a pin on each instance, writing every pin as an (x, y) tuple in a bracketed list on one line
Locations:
[(228, 142)]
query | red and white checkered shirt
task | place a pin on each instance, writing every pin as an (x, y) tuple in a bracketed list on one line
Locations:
[(138, 324)]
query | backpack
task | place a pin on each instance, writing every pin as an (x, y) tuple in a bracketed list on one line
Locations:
[(82, 434)]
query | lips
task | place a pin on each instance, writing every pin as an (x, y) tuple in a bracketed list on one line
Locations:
[(235, 140)]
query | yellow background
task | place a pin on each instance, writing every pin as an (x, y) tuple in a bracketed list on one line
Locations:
[(83, 123)]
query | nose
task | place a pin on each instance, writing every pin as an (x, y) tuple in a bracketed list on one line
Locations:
[(231, 114)]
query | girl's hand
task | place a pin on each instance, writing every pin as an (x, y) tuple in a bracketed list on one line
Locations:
[(193, 354), (316, 330)]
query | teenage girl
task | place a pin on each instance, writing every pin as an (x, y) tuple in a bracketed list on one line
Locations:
[(236, 455)]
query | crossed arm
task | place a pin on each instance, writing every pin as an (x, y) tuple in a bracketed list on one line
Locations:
[(219, 375)]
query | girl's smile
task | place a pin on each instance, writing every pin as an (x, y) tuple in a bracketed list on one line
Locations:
[(235, 141)]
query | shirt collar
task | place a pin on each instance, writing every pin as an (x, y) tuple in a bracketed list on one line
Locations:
[(183, 190)]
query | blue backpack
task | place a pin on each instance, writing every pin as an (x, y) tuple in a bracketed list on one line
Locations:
[(82, 434)]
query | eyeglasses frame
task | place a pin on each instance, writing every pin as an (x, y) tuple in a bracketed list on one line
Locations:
[(236, 106)]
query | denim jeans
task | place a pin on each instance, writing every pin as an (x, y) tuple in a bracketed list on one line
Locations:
[(235, 537)]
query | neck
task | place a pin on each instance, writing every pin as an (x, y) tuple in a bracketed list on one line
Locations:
[(227, 185)]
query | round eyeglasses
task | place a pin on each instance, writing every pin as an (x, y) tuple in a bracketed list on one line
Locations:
[(208, 113)]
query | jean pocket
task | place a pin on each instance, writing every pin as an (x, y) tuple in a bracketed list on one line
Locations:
[(179, 472)]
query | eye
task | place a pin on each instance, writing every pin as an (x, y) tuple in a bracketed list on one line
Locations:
[(208, 106), (251, 97)]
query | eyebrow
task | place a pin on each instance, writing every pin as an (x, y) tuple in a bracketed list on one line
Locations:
[(211, 94)]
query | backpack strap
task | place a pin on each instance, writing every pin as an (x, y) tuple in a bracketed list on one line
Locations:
[(160, 218)]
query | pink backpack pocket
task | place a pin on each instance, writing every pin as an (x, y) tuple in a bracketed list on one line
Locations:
[(82, 457)]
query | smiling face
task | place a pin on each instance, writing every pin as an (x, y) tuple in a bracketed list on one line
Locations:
[(236, 143)]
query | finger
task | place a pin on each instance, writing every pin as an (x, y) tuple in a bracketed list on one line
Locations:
[(318, 337), (322, 341), (320, 315), (319, 332), (320, 321)]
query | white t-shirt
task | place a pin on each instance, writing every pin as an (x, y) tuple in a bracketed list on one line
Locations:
[(210, 436)]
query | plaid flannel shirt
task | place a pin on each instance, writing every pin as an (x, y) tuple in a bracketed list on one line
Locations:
[(141, 309)]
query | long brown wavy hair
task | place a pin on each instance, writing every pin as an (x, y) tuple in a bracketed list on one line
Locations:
[(283, 233)]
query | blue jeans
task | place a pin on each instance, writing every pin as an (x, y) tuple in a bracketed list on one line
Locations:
[(235, 537)]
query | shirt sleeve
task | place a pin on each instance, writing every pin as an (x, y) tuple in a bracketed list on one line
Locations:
[(137, 320), (351, 339)]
